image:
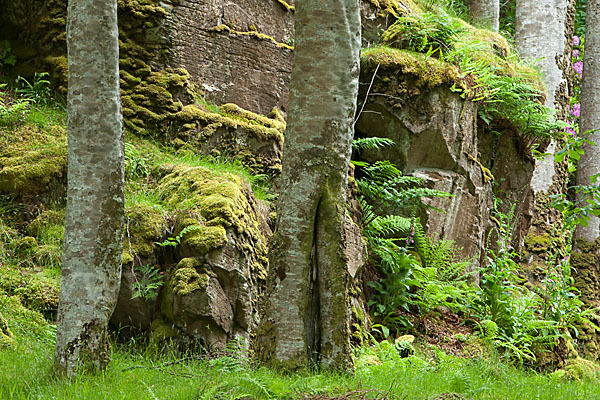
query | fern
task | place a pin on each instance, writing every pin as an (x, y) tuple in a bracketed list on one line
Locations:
[(372, 143)]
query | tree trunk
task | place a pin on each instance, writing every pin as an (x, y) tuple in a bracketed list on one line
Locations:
[(540, 32), (91, 269), (306, 319), (544, 28), (589, 164), (585, 258), (485, 13)]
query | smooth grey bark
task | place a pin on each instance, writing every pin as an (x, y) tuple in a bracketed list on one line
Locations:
[(92, 256), (485, 13), (540, 33), (307, 314), (589, 164)]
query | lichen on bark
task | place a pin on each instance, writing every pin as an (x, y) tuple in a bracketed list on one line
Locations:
[(91, 269), (307, 255)]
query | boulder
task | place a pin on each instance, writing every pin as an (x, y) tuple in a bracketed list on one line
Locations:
[(439, 138)]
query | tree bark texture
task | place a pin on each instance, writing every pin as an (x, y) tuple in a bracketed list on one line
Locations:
[(306, 317), (545, 29), (589, 164), (540, 27), (92, 257), (485, 13), (585, 258)]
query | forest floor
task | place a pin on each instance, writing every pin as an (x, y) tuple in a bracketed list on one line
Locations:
[(138, 372)]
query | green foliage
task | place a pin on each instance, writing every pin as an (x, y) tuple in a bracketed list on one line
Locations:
[(580, 7), (577, 209), (148, 283), (506, 89), (436, 279), (526, 317), (7, 58), (136, 166), (424, 33), (12, 111), (37, 92), (176, 241)]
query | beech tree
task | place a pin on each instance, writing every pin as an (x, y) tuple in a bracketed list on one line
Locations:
[(306, 319), (91, 269), (589, 163), (540, 27), (485, 13), (585, 257)]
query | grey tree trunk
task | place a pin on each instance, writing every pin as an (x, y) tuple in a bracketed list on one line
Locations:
[(485, 13), (589, 164), (307, 314), (585, 260), (544, 28), (91, 270), (540, 31)]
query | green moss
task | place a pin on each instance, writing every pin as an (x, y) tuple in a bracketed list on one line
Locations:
[(6, 335), (580, 369), (286, 5), (36, 291), (24, 323), (428, 72), (254, 34), (538, 243), (161, 332), (189, 276), (31, 158), (214, 202), (206, 239), (146, 225), (395, 8)]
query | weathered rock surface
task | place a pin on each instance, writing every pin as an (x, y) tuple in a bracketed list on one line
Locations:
[(438, 139), (213, 272)]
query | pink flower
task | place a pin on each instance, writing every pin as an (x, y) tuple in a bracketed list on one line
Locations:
[(576, 110), (575, 53), (570, 131), (576, 40), (578, 67)]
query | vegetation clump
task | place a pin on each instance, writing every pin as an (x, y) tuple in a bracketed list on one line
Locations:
[(438, 49)]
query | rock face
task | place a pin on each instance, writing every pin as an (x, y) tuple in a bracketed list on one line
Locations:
[(212, 271), (437, 138), (248, 64)]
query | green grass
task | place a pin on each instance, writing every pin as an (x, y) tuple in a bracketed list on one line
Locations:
[(25, 373)]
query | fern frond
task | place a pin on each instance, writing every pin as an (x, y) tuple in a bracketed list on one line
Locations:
[(371, 143)]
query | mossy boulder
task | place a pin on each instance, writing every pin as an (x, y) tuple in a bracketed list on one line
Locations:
[(36, 291), (33, 161), (207, 234), (6, 336), (578, 369), (22, 323)]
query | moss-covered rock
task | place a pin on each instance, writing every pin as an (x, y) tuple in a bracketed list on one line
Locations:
[(146, 225), (31, 159), (23, 323), (188, 276), (36, 291), (578, 369), (220, 202), (6, 336)]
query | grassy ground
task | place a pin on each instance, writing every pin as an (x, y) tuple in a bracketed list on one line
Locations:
[(25, 373)]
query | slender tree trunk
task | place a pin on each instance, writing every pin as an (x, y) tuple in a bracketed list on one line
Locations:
[(91, 270), (306, 319), (485, 13), (589, 164), (586, 257), (540, 32), (544, 28)]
